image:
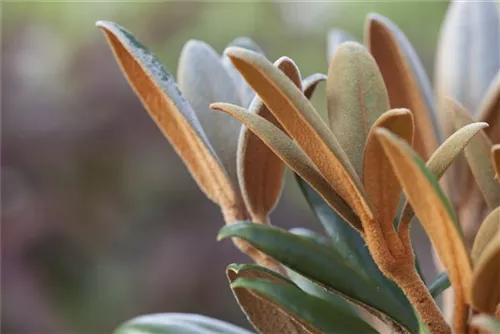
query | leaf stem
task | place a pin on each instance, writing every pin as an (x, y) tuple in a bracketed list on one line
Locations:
[(416, 291)]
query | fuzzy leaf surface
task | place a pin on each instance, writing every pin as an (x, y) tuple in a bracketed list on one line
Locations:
[(356, 97), (478, 156), (405, 78), (260, 171), (159, 94), (303, 123), (289, 151), (435, 214)]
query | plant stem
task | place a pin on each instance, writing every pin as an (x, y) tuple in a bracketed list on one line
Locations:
[(416, 291)]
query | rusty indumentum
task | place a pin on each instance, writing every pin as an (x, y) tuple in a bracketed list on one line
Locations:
[(238, 120)]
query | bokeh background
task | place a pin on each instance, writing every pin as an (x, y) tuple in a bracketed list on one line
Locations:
[(100, 219)]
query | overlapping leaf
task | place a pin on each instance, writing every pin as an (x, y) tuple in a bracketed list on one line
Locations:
[(495, 157), (356, 97), (489, 228), (485, 287), (310, 83), (260, 171), (405, 78), (308, 257), (478, 157), (265, 314), (315, 311), (160, 96), (302, 122), (443, 157), (377, 171), (289, 151), (350, 245), (485, 290), (203, 80), (490, 110), (436, 216)]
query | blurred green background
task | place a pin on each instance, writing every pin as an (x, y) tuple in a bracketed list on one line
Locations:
[(100, 219)]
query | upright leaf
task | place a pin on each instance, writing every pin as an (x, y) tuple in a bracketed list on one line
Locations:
[(356, 97), (260, 171), (478, 157), (204, 80), (377, 171), (303, 123), (490, 110), (495, 157), (436, 216), (443, 157), (490, 227), (308, 258), (160, 96), (485, 287), (288, 150), (468, 55), (405, 78)]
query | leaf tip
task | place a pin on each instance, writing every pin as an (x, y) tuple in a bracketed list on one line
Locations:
[(105, 25), (237, 52), (223, 234)]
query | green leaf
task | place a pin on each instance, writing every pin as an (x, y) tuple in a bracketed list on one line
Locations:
[(344, 238), (178, 323), (309, 286), (313, 310), (440, 283), (351, 245), (266, 316), (327, 267)]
